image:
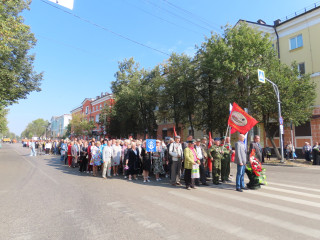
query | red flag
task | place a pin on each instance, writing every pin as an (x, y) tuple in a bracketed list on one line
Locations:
[(240, 121), (210, 140), (174, 131)]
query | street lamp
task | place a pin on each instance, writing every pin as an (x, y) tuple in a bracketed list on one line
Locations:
[(262, 79)]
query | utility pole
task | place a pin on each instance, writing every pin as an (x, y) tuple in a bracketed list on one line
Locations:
[(263, 79)]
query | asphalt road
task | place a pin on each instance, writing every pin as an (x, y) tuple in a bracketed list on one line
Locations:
[(40, 198)]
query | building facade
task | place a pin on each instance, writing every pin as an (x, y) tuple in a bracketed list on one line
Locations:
[(90, 109), (59, 124), (296, 39)]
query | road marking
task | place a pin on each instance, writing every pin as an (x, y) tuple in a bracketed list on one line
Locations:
[(214, 222), (265, 204), (292, 192), (283, 198), (310, 232), (40, 170), (292, 186)]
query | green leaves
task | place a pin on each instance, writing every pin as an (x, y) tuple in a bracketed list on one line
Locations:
[(17, 77), (36, 128)]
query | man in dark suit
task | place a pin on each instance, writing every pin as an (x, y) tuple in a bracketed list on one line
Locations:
[(256, 145)]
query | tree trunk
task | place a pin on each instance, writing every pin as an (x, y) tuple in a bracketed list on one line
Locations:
[(275, 148)]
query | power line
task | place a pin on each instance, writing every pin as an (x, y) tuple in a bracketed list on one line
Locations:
[(190, 13), (105, 29), (161, 18), (178, 16)]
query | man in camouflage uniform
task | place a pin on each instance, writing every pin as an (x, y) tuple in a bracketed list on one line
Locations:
[(216, 154), (226, 158)]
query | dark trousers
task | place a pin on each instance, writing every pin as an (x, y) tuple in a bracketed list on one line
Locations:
[(202, 173), (83, 164), (187, 177)]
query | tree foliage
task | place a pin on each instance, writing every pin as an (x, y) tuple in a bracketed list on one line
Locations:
[(3, 120), (197, 91), (17, 77), (81, 126), (136, 92), (177, 93), (36, 128)]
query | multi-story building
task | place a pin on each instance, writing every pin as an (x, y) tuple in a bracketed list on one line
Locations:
[(59, 124), (90, 109), (296, 38)]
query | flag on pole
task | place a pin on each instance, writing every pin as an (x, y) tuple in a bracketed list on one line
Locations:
[(64, 3), (240, 121), (230, 110), (210, 141), (174, 131)]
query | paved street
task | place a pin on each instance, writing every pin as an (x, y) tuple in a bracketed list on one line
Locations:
[(40, 198)]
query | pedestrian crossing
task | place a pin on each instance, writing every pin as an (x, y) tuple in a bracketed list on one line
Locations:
[(273, 207)]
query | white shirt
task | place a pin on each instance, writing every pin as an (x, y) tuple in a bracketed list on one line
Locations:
[(199, 152)]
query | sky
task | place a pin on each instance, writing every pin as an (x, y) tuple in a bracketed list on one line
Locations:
[(78, 50)]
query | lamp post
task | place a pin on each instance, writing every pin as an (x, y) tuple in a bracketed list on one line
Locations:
[(262, 79)]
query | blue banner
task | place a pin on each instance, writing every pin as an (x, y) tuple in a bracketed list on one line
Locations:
[(151, 145)]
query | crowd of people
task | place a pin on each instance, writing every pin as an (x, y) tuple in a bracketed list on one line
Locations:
[(172, 159)]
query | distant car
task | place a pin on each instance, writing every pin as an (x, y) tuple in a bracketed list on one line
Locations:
[(6, 140)]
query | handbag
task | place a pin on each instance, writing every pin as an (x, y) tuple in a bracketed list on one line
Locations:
[(195, 171)]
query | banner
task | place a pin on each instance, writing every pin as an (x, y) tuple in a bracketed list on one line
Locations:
[(151, 145), (240, 121)]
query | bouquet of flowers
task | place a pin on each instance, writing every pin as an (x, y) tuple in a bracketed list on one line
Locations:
[(255, 163)]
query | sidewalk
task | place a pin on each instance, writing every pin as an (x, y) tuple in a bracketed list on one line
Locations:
[(292, 163)]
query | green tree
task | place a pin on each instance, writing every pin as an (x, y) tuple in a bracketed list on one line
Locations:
[(136, 92), (36, 128), (81, 126), (230, 62), (178, 96), (3, 120), (68, 131), (17, 77)]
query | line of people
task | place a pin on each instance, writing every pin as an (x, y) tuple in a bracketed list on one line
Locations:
[(172, 159)]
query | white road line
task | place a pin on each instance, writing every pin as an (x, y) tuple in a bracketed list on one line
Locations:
[(40, 170), (265, 204), (214, 222), (310, 232), (291, 192), (292, 186), (283, 198)]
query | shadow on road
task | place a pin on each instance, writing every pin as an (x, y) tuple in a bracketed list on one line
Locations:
[(165, 182)]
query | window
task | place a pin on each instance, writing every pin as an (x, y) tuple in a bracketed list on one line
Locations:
[(100, 106), (296, 42), (97, 118), (87, 109), (303, 130), (301, 68)]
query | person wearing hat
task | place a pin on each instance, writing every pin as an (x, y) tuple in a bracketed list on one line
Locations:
[(216, 153), (176, 153), (202, 157), (190, 159)]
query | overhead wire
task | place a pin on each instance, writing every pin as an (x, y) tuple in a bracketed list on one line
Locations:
[(176, 15), (165, 20), (105, 29), (203, 20)]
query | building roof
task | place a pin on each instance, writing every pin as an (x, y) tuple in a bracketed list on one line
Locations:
[(287, 19)]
